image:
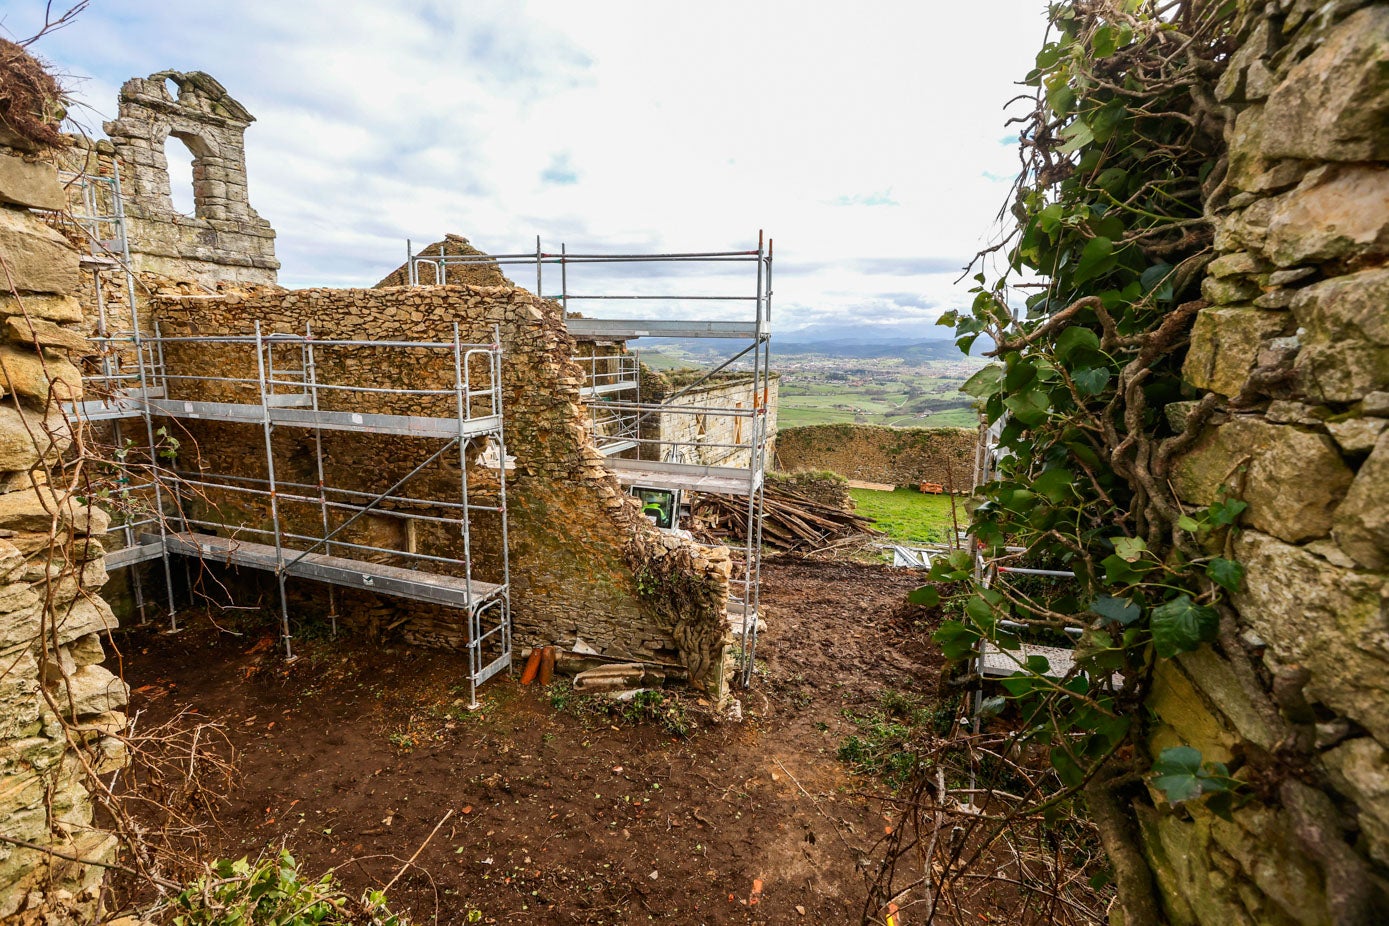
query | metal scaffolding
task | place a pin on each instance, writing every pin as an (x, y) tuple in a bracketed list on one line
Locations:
[(612, 388), (304, 382)]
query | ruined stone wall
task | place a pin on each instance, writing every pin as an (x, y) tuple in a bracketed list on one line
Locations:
[(60, 709), (225, 239), (695, 437), (584, 564), (873, 453), (1295, 341)]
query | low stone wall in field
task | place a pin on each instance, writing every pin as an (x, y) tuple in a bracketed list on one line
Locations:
[(874, 453)]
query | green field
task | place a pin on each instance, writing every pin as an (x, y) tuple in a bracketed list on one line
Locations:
[(906, 515), (918, 402)]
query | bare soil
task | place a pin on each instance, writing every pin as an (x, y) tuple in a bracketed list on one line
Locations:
[(351, 756)]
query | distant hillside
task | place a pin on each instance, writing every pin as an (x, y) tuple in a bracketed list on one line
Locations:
[(913, 350)]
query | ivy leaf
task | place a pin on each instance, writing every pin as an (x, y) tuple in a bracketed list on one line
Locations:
[(1076, 338), (1029, 407), (1189, 524), (1129, 549), (1077, 134), (1181, 776), (1224, 513), (1055, 484), (1181, 625), (1176, 773), (1122, 611), (1096, 257), (1104, 42), (1090, 381), (984, 382), (927, 595), (956, 639), (1226, 573)]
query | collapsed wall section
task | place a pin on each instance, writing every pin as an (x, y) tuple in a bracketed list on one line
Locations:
[(584, 564), (874, 453)]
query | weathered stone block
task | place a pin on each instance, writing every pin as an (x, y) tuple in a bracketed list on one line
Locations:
[(1346, 336), (1225, 344), (89, 691), (33, 185), (1336, 213), (1360, 770), (85, 615), (37, 511), (1334, 104), (40, 260), (1327, 619), (31, 331), (1361, 526), (87, 651), (1357, 435), (1293, 479), (37, 376), (46, 306)]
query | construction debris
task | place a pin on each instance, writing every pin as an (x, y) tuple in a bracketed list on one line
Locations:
[(615, 677), (791, 522)]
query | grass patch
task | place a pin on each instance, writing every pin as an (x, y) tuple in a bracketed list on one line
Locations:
[(907, 515), (886, 745)]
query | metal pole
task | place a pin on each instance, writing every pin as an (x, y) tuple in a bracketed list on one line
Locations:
[(154, 470), (261, 377), (496, 372), (311, 380), (461, 392), (563, 281), (410, 276), (538, 262), (750, 534)]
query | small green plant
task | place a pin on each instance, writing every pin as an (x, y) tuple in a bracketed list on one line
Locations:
[(886, 745), (272, 891)]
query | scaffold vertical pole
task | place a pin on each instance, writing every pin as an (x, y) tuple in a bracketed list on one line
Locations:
[(496, 382), (264, 372), (460, 388), (311, 382)]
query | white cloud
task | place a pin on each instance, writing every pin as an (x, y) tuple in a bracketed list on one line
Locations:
[(849, 132)]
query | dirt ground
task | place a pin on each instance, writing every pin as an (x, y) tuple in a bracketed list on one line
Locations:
[(352, 755)]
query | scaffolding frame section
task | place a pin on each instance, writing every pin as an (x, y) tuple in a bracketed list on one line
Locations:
[(667, 464), (289, 390), (96, 205)]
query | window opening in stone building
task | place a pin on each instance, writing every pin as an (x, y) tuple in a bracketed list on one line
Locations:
[(180, 159)]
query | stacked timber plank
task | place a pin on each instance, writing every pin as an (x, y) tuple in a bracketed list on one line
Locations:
[(791, 522)]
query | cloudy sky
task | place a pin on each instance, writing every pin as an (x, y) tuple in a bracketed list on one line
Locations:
[(868, 139)]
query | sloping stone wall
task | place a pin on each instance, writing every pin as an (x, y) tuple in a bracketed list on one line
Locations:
[(872, 453), (584, 564), (60, 709), (1295, 343), (225, 239)]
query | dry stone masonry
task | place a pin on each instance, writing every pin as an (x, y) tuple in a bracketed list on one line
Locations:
[(873, 453), (61, 716), (584, 564), (1295, 341)]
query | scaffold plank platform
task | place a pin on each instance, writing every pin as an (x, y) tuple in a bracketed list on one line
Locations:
[(715, 480), (1000, 663), (361, 422), (608, 388), (621, 329), (449, 591), (135, 553)]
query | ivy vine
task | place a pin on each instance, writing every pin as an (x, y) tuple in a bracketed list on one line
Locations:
[(1122, 153)]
